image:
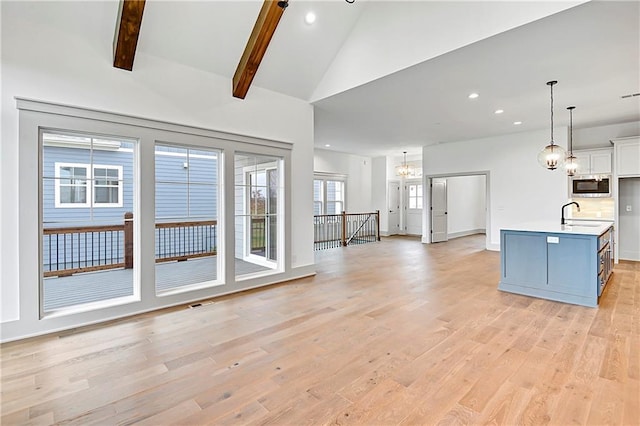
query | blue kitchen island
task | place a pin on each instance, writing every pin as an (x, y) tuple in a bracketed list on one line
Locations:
[(565, 263)]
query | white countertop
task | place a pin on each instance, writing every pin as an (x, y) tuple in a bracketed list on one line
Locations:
[(591, 228)]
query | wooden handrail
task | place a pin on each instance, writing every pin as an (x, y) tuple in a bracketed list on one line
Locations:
[(82, 229), (186, 224), (127, 244)]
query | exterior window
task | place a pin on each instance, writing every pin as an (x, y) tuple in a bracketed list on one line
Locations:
[(79, 185), (259, 219), (186, 235), (415, 196), (86, 249), (72, 185), (106, 185), (328, 196)]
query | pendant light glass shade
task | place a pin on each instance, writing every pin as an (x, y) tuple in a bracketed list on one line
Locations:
[(552, 156), (571, 165)]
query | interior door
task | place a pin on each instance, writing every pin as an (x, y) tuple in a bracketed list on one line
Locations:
[(394, 208), (438, 210), (413, 207)]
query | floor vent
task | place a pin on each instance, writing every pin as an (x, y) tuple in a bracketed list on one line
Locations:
[(199, 304)]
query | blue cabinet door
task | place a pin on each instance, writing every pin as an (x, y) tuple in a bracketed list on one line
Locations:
[(571, 265), (524, 258)]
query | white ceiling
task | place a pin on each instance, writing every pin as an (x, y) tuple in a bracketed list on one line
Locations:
[(592, 49)]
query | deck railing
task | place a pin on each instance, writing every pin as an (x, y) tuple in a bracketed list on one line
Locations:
[(340, 230), (71, 250)]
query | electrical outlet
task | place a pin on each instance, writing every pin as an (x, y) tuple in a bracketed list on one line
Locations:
[(628, 208)]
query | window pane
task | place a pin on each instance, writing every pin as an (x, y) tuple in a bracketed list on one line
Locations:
[(172, 200), (257, 222), (202, 200), (106, 195), (186, 234), (73, 194), (413, 203), (317, 190), (84, 249), (317, 208), (203, 166)]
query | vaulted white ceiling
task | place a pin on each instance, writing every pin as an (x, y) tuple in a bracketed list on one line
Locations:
[(387, 76)]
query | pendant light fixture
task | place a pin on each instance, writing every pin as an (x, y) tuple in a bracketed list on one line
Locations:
[(571, 163), (552, 156), (404, 170)]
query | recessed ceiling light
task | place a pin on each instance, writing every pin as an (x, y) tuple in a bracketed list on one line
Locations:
[(327, 145), (310, 18), (499, 111), (473, 95), (517, 123)]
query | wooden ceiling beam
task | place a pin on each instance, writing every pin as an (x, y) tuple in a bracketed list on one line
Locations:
[(128, 31), (263, 30)]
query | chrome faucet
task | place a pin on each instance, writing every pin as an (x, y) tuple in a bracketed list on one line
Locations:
[(562, 221)]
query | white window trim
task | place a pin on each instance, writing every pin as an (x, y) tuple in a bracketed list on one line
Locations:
[(90, 185)]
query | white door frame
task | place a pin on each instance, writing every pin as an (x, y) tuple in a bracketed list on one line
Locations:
[(426, 213)]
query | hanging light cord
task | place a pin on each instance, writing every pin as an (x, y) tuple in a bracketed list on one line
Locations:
[(571, 131), (551, 83)]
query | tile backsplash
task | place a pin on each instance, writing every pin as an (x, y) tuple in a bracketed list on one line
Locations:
[(593, 208)]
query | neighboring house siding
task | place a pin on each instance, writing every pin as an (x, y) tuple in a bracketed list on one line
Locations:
[(173, 200), (182, 194), (83, 215)]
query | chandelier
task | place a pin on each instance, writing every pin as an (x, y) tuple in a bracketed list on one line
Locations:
[(404, 169)]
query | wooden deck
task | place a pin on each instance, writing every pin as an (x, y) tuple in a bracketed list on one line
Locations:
[(391, 333), (110, 284)]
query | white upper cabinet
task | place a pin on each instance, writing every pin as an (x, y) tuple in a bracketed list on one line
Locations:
[(594, 161), (627, 157)]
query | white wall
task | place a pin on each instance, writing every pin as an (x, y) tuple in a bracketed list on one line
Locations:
[(379, 191), (377, 44), (466, 202), (358, 171), (599, 137), (520, 190), (47, 55)]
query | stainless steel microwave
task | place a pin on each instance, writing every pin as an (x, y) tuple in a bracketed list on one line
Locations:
[(590, 186)]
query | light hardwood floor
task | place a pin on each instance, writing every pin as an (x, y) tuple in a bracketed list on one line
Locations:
[(387, 333)]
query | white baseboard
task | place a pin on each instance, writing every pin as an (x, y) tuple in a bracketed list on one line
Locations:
[(629, 255), (493, 247), (453, 235)]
